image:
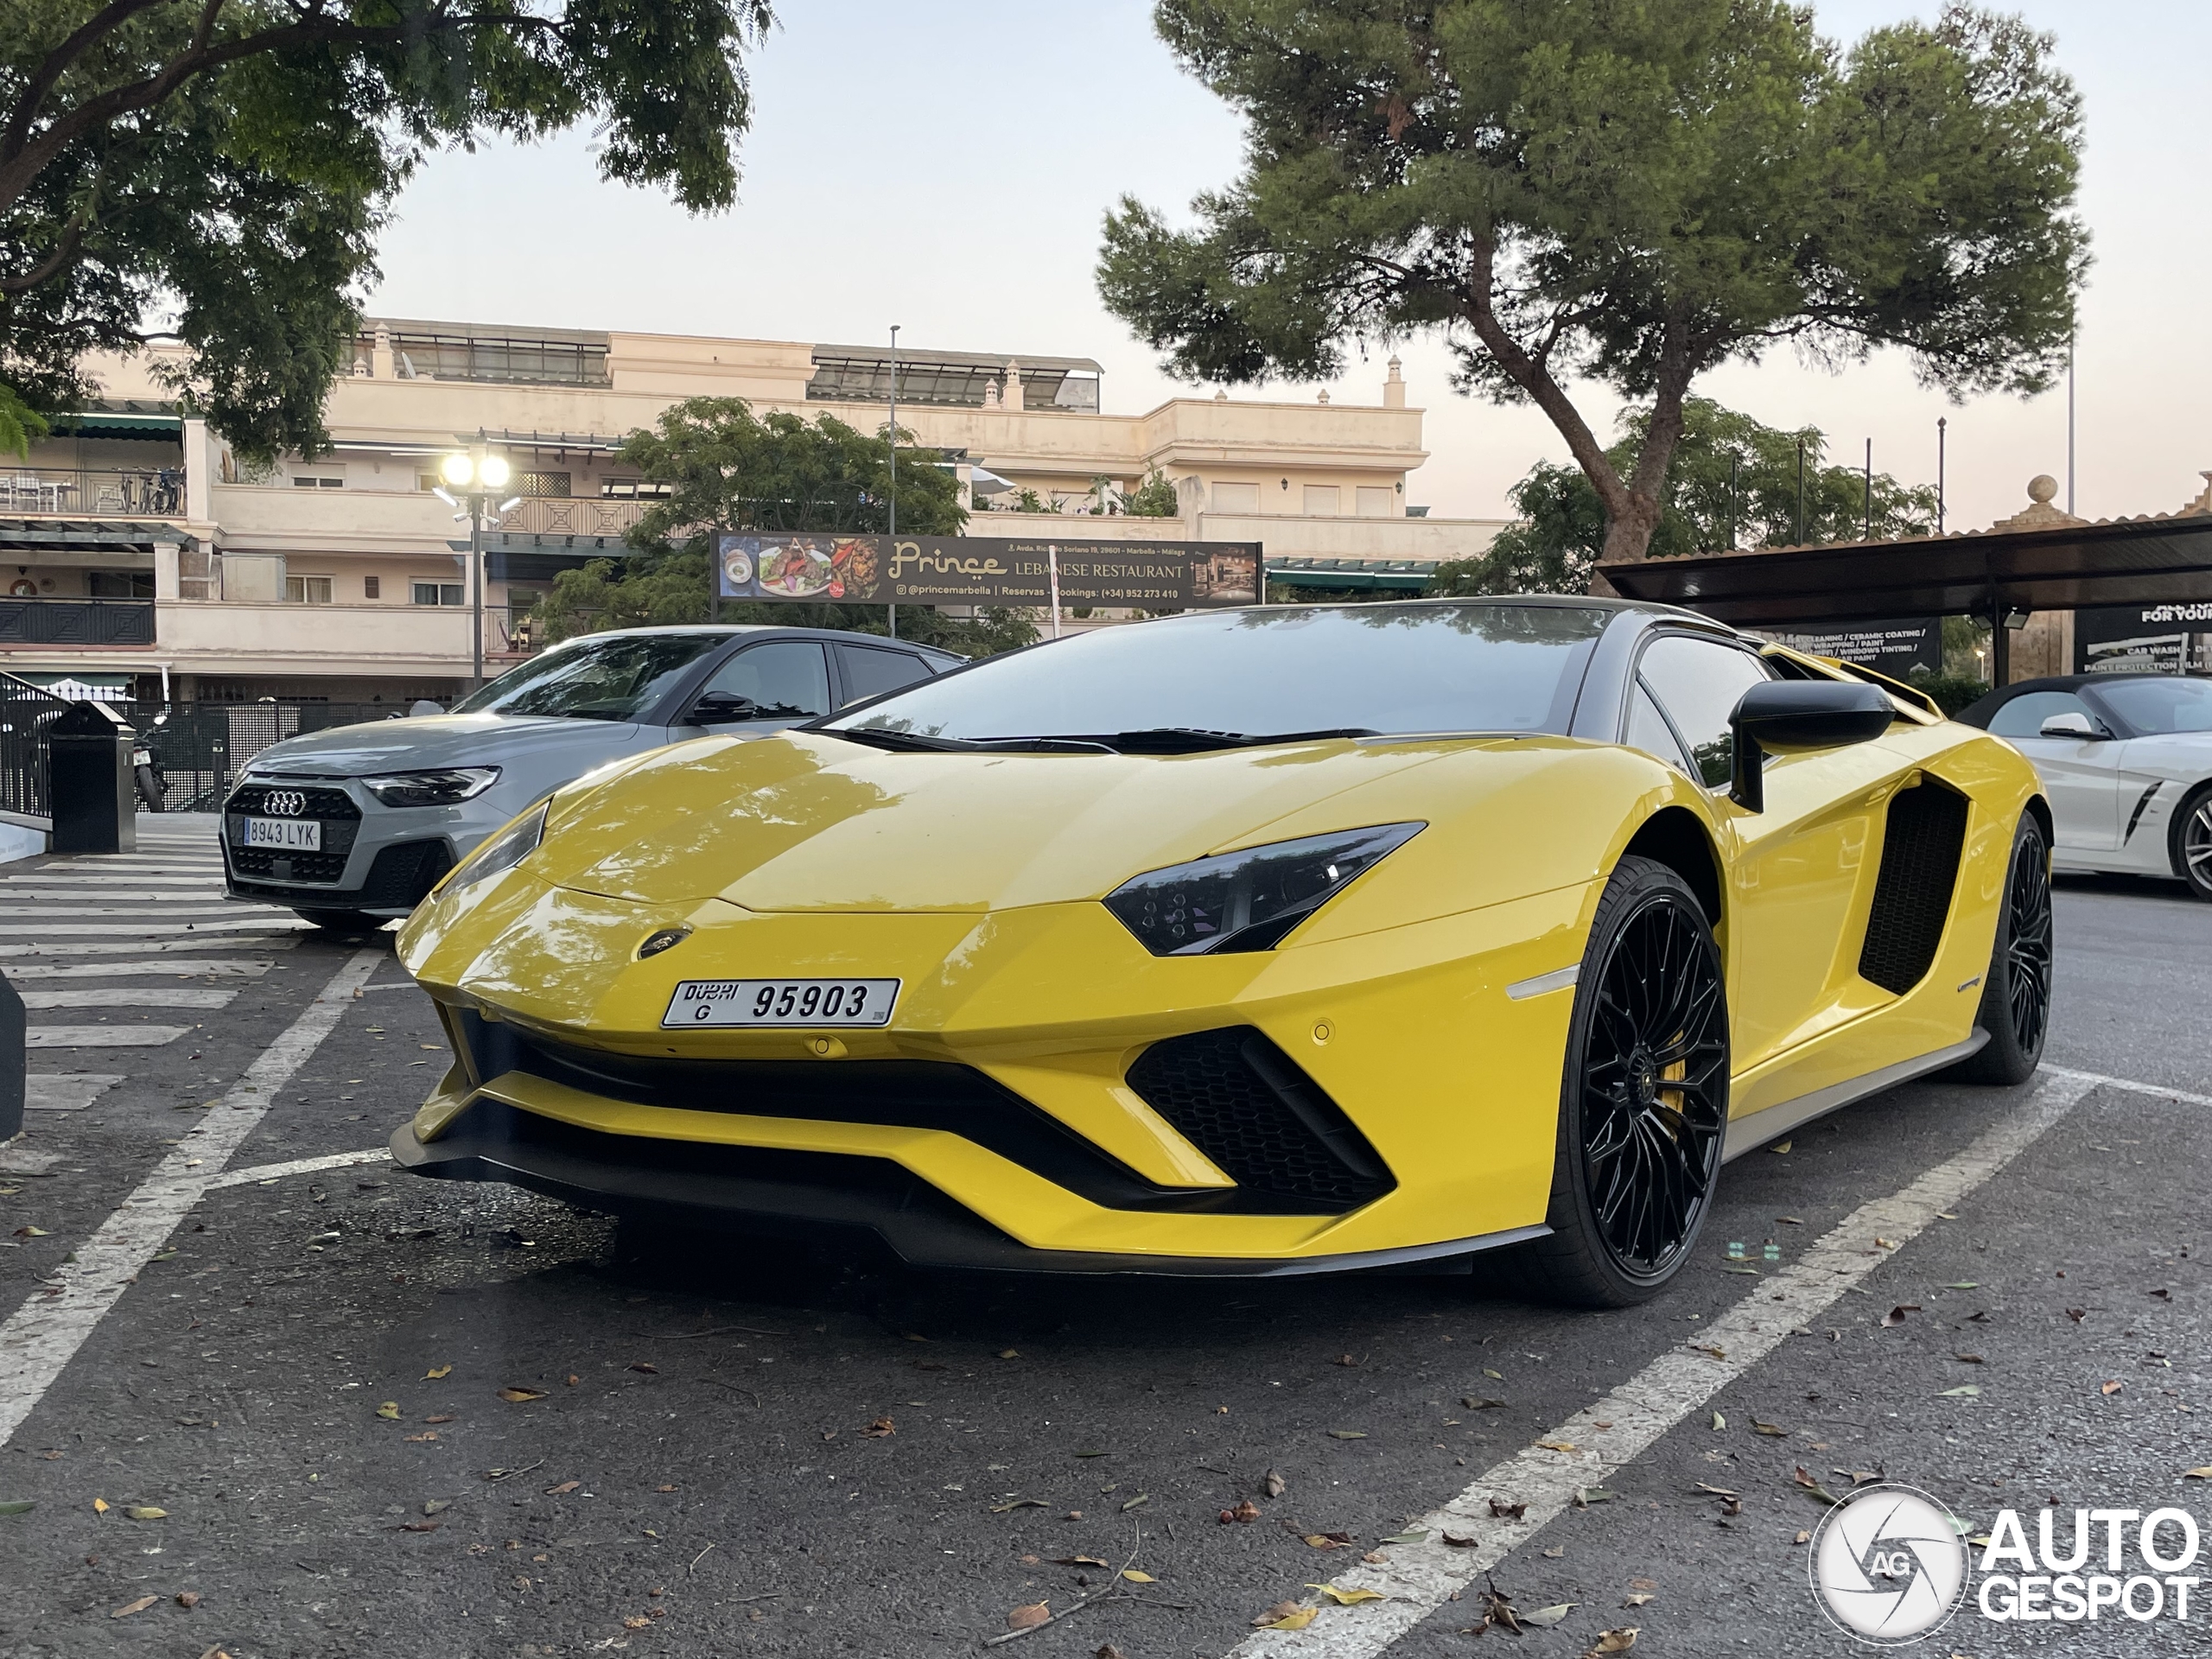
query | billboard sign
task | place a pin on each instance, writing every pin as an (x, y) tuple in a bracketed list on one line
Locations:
[(2155, 638), (1895, 647), (984, 570)]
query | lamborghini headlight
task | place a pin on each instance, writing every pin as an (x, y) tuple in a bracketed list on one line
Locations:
[(504, 850), (1248, 900)]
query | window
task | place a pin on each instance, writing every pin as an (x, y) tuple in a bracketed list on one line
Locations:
[(1236, 498), (119, 584), (307, 590), (1376, 502), (1648, 730), (870, 672), (555, 484), (2157, 708), (2024, 717), (599, 676), (317, 481), (441, 593), (785, 679), (1322, 499), (372, 588), (1698, 683)]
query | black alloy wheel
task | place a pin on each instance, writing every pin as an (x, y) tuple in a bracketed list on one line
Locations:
[(2016, 992), (2192, 849), (1644, 1107)]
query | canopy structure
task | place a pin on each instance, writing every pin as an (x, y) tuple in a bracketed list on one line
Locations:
[(2051, 563), (1400, 575)]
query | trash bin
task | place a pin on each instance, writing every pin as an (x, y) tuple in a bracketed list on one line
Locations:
[(95, 801)]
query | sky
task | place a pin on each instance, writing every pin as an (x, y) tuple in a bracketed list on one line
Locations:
[(945, 166)]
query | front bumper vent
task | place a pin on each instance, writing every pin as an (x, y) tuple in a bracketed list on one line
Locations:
[(1269, 1128)]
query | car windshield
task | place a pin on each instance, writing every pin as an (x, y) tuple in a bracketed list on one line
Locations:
[(2161, 708), (616, 677), (1213, 678)]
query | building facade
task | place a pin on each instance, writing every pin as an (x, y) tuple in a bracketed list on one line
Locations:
[(143, 551)]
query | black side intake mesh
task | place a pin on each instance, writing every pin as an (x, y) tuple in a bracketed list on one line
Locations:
[(1243, 1101), (1912, 893)]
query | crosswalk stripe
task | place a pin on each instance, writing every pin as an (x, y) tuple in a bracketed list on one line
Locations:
[(180, 967), (135, 997), (52, 1091), (139, 947), (107, 896), (142, 930), (102, 1036), (175, 912)]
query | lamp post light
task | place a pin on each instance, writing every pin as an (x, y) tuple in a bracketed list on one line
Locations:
[(477, 476), (893, 622)]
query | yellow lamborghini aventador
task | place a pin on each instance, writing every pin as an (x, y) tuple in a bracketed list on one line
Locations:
[(1277, 940)]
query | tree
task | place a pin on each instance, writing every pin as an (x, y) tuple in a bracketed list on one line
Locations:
[(214, 171), (1632, 193), (725, 468), (1734, 483)]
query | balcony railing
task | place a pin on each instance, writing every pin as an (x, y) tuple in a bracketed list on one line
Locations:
[(578, 515), (70, 492), (76, 622)]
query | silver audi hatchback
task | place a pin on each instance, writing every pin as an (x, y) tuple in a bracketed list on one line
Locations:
[(351, 826)]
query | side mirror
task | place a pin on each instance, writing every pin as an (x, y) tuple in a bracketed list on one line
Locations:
[(723, 708), (2073, 725), (1791, 716)]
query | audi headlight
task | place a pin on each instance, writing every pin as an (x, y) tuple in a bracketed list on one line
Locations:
[(443, 787), (1248, 900), (504, 850)]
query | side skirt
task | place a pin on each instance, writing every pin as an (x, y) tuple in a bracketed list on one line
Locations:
[(1747, 1134)]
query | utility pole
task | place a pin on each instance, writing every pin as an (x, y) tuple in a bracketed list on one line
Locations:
[(1941, 422), (2069, 423), (1801, 489), (892, 563), (1868, 534), (1734, 500)]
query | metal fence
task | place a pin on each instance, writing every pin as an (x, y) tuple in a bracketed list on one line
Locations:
[(200, 747), (76, 621), (26, 710)]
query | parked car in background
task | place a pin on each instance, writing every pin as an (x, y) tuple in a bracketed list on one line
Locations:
[(351, 826), (2126, 760)]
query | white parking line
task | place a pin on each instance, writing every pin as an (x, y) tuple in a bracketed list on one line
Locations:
[(1610, 1432), (2132, 1087), (299, 1167), (42, 1337)]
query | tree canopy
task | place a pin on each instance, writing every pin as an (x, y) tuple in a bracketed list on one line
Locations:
[(1629, 192), (726, 469), (214, 171), (1734, 483)]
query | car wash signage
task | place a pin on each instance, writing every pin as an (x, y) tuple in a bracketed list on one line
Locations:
[(986, 570), (1895, 647), (2156, 639)]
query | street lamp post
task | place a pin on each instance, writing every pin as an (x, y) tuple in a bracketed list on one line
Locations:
[(895, 465), (480, 476)]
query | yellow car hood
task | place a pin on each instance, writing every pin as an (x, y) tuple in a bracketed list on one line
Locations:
[(807, 822)]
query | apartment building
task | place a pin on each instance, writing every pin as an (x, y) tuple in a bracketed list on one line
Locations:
[(143, 551)]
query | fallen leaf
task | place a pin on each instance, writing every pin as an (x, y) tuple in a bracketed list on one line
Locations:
[(1774, 1429), (1455, 1540), (1071, 1561), (1643, 1584), (1963, 1284), (420, 1526), (437, 1506), (187, 1598), (2077, 1314), (1611, 1642), (1965, 1390), (1804, 1478), (389, 1410), (1296, 1619), (1136, 1577), (424, 1437), (1567, 1446), (1968, 1359), (564, 1489), (18, 1506), (146, 1512), (2202, 1472), (665, 1489), (1029, 1616), (38, 1232), (1886, 1244), (2113, 1387), (574, 1379), (881, 1429), (1018, 1504), (517, 1396), (1556, 1551), (1714, 1349), (442, 1417), (1544, 1617), (137, 1606), (1494, 1376), (1348, 1598), (1719, 1422), (1142, 1497), (1779, 1148), (1803, 1538), (647, 1366), (1717, 1491), (1500, 1509), (1328, 1540), (1790, 1221), (1107, 1651), (635, 1622), (1245, 1512), (1586, 1496), (1403, 1538), (1011, 1353), (1476, 1402), (99, 1506), (1637, 1600), (1273, 1483), (2163, 1296), (436, 1372), (1347, 1434), (1895, 1315), (1346, 1359)]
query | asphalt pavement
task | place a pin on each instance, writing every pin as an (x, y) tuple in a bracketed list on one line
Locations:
[(269, 1396)]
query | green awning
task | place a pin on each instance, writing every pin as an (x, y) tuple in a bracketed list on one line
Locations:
[(123, 421)]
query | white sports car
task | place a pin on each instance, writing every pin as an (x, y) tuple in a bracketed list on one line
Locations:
[(2126, 760)]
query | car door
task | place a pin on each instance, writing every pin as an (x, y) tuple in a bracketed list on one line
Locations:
[(786, 681), (1799, 874), (2081, 775), (871, 670)]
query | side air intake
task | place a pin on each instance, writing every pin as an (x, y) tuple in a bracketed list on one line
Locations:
[(1244, 1103), (1926, 829)]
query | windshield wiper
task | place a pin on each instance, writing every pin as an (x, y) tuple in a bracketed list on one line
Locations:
[(881, 737), (1189, 739)]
